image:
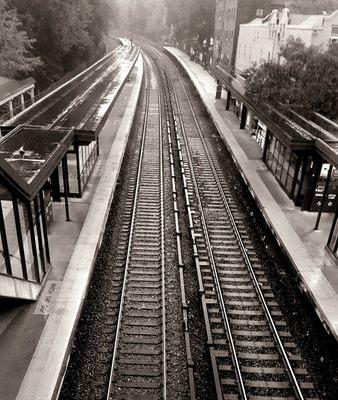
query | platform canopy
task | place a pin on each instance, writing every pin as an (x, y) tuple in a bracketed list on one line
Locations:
[(297, 132), (29, 155), (11, 87)]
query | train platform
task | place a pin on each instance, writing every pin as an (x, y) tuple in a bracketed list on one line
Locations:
[(293, 229), (36, 338)]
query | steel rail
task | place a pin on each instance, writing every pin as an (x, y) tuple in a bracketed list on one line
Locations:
[(233, 351), (247, 260), (101, 61), (149, 50), (104, 74), (130, 240), (211, 257), (164, 367), (90, 72), (133, 59)]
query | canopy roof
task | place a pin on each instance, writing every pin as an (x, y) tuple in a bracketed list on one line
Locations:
[(294, 130), (9, 87), (29, 155)]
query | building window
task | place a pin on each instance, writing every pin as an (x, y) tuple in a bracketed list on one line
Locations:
[(334, 30)]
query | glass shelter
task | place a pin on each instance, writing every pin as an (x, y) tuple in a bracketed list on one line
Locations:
[(299, 147), (28, 157)]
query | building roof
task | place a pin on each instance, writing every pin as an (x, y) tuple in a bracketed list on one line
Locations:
[(256, 22), (301, 21), (306, 21), (9, 87)]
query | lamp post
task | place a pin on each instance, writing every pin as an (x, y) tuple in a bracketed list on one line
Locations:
[(204, 52)]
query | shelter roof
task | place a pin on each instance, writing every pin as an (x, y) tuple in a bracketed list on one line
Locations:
[(9, 87), (29, 155)]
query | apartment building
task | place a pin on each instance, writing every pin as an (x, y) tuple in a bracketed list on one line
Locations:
[(229, 15), (260, 40)]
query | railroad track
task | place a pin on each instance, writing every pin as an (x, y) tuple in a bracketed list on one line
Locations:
[(128, 304), (252, 352), (138, 367)]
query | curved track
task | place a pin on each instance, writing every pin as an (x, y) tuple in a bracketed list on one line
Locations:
[(252, 352), (139, 356)]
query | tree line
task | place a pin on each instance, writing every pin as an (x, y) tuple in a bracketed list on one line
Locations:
[(48, 38)]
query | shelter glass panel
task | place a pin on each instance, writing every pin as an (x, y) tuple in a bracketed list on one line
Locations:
[(72, 173), (282, 163)]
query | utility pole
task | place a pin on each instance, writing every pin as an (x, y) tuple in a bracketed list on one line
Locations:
[(131, 16)]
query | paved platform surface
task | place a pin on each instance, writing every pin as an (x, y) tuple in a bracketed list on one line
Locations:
[(35, 337), (293, 228)]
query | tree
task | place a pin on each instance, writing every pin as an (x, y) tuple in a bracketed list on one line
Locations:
[(307, 77), (147, 18), (155, 26), (104, 16), (66, 33), (193, 20), (16, 60), (313, 6)]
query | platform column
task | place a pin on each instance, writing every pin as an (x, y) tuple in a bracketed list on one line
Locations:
[(22, 102), (227, 104), (31, 92), (55, 181), (65, 185), (243, 117), (326, 188), (33, 241), (218, 90), (11, 112), (266, 145), (5, 249)]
